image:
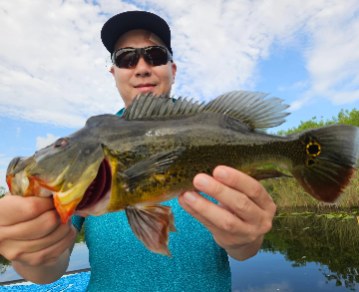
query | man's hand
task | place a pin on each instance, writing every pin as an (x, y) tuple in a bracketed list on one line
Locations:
[(242, 217), (32, 236)]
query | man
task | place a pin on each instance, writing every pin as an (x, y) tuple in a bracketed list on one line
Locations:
[(32, 237)]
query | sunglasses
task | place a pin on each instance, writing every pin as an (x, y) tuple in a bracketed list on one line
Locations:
[(129, 57)]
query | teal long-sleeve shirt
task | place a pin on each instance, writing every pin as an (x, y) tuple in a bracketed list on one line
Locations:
[(120, 262)]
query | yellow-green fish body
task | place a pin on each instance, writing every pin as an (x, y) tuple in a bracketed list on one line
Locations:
[(152, 153)]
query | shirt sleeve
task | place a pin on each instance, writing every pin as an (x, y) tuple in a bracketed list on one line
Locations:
[(78, 221)]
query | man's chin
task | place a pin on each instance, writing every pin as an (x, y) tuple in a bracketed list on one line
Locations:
[(146, 89)]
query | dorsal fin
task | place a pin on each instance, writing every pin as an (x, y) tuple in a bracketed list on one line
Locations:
[(250, 108), (152, 107)]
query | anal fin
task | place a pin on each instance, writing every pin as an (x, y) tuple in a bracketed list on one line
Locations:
[(151, 225)]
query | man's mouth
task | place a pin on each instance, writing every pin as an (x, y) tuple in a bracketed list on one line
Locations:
[(145, 87), (98, 188)]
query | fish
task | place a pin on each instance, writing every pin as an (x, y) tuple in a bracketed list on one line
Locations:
[(151, 154)]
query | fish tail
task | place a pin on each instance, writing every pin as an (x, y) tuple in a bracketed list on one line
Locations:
[(330, 158)]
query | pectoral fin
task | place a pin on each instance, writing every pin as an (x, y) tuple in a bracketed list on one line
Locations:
[(156, 164), (151, 225)]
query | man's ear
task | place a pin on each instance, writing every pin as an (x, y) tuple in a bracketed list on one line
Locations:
[(174, 71)]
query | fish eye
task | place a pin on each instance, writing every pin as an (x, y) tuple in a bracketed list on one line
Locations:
[(62, 142), (313, 148)]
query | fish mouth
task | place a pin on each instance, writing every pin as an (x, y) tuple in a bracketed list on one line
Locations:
[(98, 188)]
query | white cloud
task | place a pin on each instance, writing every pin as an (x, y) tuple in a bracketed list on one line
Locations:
[(299, 103), (42, 142), (53, 67), (221, 42), (3, 179), (4, 162), (18, 132), (333, 59), (298, 85)]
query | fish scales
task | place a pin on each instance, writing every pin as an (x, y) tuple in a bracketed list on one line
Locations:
[(148, 156), (205, 146)]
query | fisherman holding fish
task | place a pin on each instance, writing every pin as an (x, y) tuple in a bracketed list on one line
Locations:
[(227, 215)]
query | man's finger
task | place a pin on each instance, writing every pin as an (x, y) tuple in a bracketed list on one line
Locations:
[(51, 252), (235, 201), (209, 214), (16, 209), (245, 184), (36, 228)]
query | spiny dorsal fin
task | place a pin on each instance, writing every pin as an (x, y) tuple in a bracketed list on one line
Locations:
[(251, 108), (152, 107)]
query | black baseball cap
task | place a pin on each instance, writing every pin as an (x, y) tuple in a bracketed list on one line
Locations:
[(129, 20)]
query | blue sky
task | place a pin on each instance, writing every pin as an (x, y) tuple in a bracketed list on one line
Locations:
[(54, 69)]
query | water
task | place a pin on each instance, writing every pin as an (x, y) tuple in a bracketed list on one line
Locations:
[(273, 272), (78, 261), (303, 252)]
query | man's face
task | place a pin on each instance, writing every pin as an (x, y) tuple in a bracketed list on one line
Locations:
[(143, 77)]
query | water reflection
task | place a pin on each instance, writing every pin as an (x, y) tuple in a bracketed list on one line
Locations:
[(4, 264), (78, 261), (305, 251)]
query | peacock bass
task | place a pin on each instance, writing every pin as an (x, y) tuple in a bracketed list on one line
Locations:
[(151, 154)]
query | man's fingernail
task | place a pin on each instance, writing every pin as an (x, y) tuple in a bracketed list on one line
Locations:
[(221, 173), (189, 197), (202, 181)]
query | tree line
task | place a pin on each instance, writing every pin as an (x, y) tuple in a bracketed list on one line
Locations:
[(344, 117)]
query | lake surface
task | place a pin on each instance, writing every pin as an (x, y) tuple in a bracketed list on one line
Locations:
[(303, 252)]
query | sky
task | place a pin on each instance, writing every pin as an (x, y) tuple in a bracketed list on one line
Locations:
[(54, 68)]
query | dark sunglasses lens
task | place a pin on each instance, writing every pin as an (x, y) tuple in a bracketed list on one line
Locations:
[(156, 56), (126, 59)]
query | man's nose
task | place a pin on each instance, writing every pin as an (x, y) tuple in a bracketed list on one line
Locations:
[(143, 69)]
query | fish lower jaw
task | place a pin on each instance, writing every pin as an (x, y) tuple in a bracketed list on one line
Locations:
[(97, 209)]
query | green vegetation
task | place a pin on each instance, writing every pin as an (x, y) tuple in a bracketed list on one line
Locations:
[(2, 191), (326, 239), (81, 235), (288, 194), (344, 117), (4, 263)]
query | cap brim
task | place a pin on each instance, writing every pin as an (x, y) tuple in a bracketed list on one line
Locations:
[(129, 20)]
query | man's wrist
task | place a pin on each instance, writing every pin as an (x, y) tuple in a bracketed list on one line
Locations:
[(46, 273), (245, 251)]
